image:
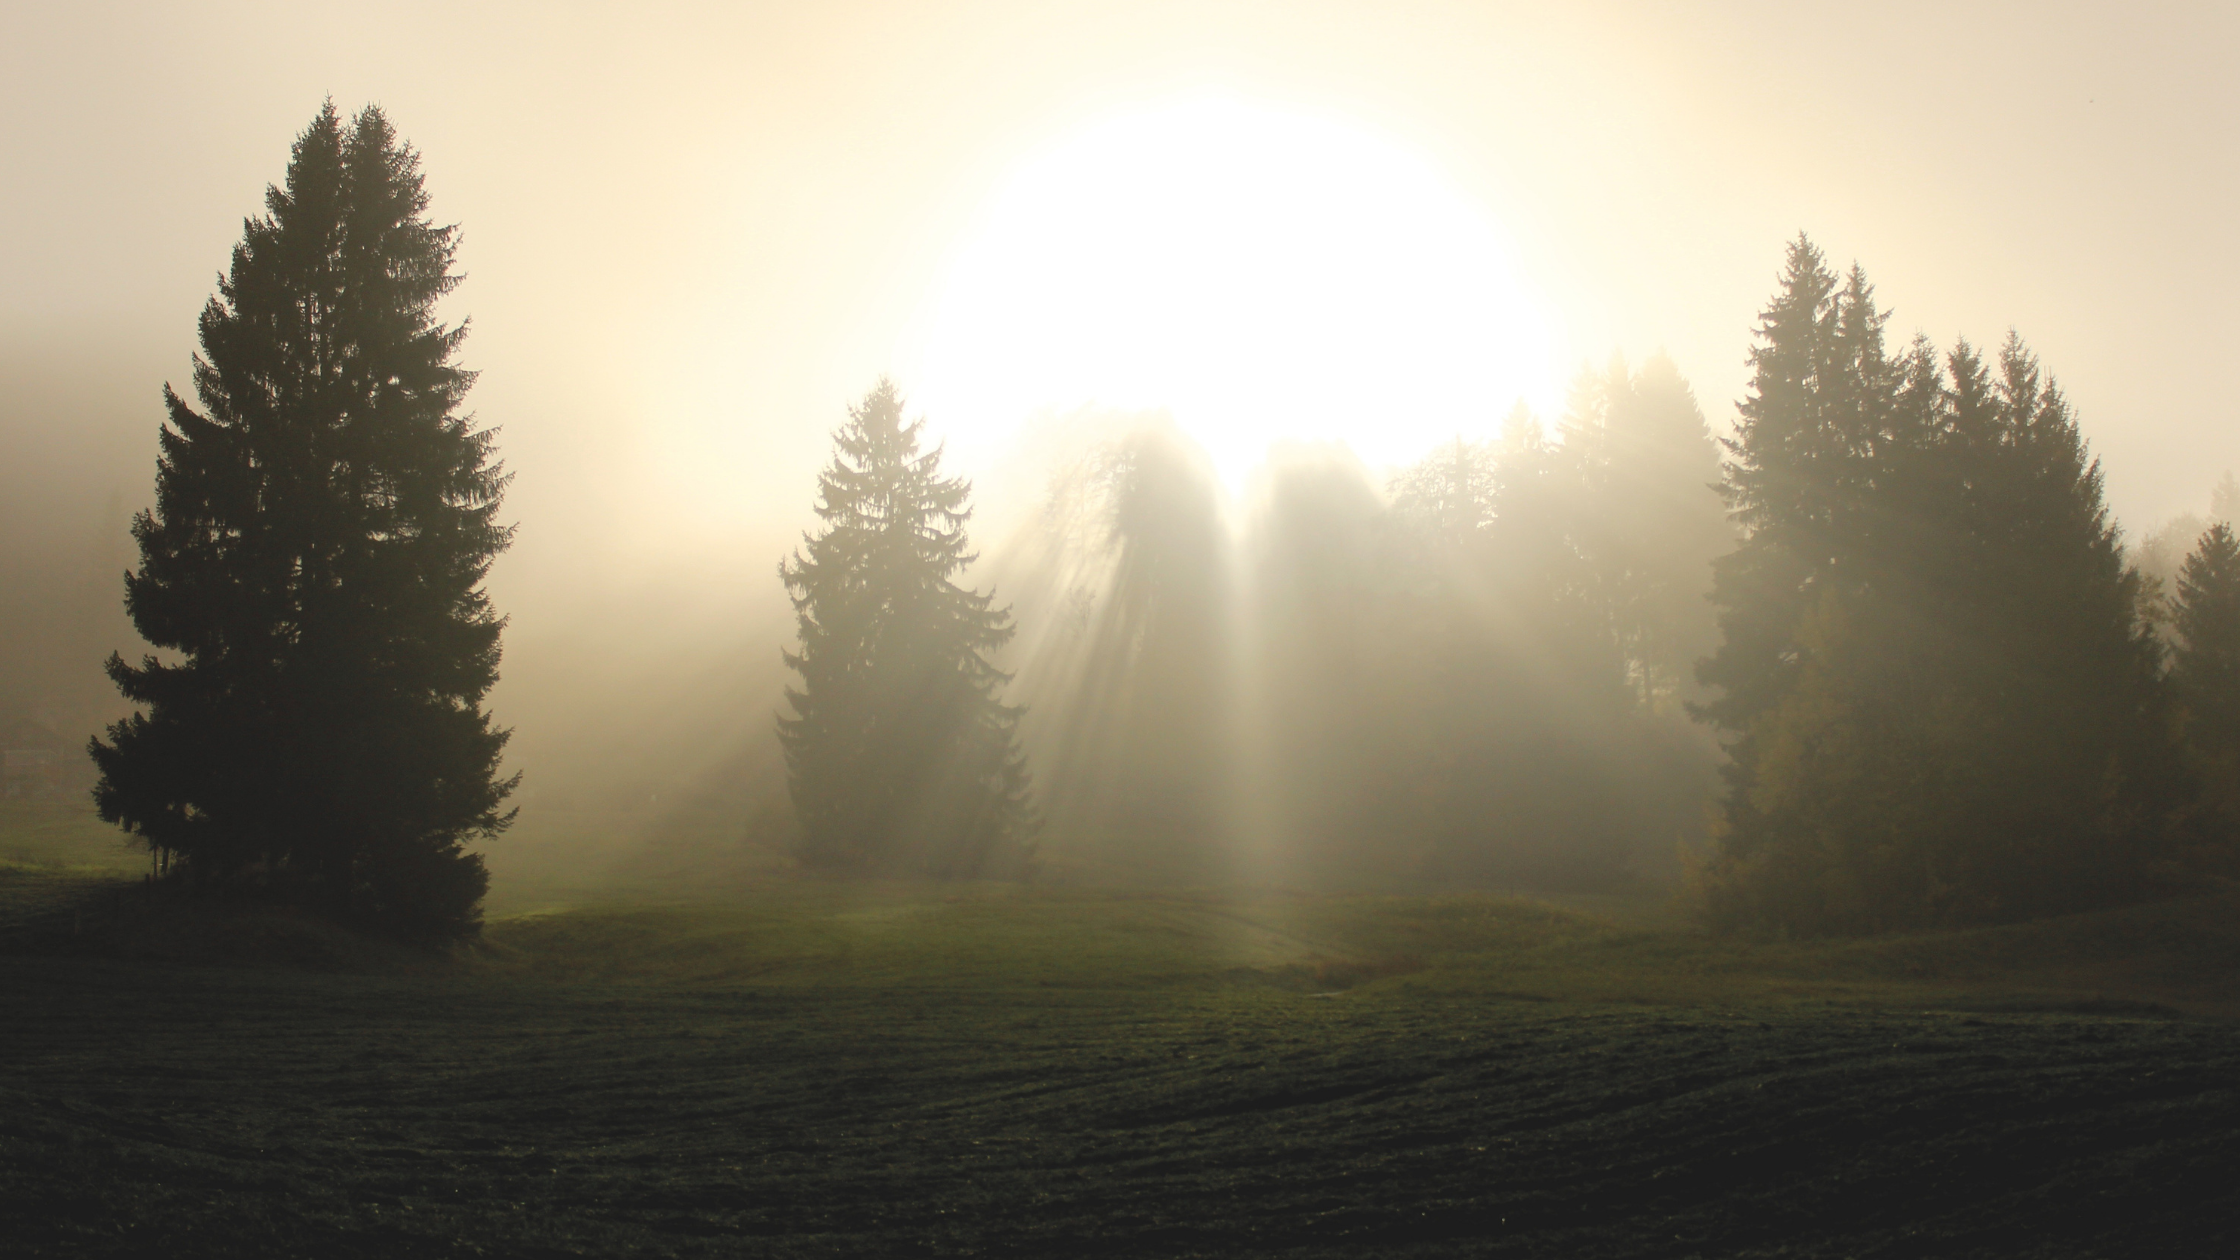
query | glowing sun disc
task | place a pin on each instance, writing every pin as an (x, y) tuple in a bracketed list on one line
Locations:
[(1263, 273)]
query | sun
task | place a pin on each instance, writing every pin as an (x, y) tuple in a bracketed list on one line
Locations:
[(1263, 273)]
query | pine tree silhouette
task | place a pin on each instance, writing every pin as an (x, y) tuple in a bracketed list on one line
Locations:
[(902, 757), (315, 556)]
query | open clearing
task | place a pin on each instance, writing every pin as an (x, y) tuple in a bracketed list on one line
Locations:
[(811, 1070)]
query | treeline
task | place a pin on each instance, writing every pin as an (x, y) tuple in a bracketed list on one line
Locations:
[(1477, 671), (1943, 691), (1943, 688), (1894, 614), (1481, 676)]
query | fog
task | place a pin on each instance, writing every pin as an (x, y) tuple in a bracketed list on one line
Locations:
[(694, 234)]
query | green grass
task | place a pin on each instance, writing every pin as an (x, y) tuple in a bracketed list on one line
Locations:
[(2183, 955), (63, 831), (822, 1070)]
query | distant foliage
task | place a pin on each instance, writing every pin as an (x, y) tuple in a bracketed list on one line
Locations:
[(315, 559), (902, 757), (1126, 575), (1331, 655), (2205, 673), (1548, 620), (1646, 517), (2160, 552), (1941, 700), (2207, 617), (1450, 494), (1481, 680)]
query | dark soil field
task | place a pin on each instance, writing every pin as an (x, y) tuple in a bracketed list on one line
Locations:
[(817, 1071)]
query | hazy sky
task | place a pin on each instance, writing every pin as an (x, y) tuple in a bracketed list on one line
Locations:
[(694, 233)]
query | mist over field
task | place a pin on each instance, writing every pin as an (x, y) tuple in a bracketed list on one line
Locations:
[(1178, 629), (663, 398)]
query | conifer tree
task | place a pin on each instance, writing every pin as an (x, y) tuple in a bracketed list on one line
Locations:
[(902, 757), (322, 527), (1785, 483), (2206, 664), (2205, 672)]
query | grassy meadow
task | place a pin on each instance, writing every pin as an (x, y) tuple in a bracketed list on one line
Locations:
[(806, 1069)]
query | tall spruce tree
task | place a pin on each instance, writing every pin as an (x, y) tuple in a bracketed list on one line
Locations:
[(2071, 782), (315, 557), (902, 757), (1785, 487)]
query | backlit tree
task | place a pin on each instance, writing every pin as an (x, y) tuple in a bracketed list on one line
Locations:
[(314, 562), (903, 758)]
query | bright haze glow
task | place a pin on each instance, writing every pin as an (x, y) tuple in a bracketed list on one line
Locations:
[(1262, 273)]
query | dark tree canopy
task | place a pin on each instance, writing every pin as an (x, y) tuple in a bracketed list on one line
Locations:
[(314, 560), (1941, 700), (903, 758)]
